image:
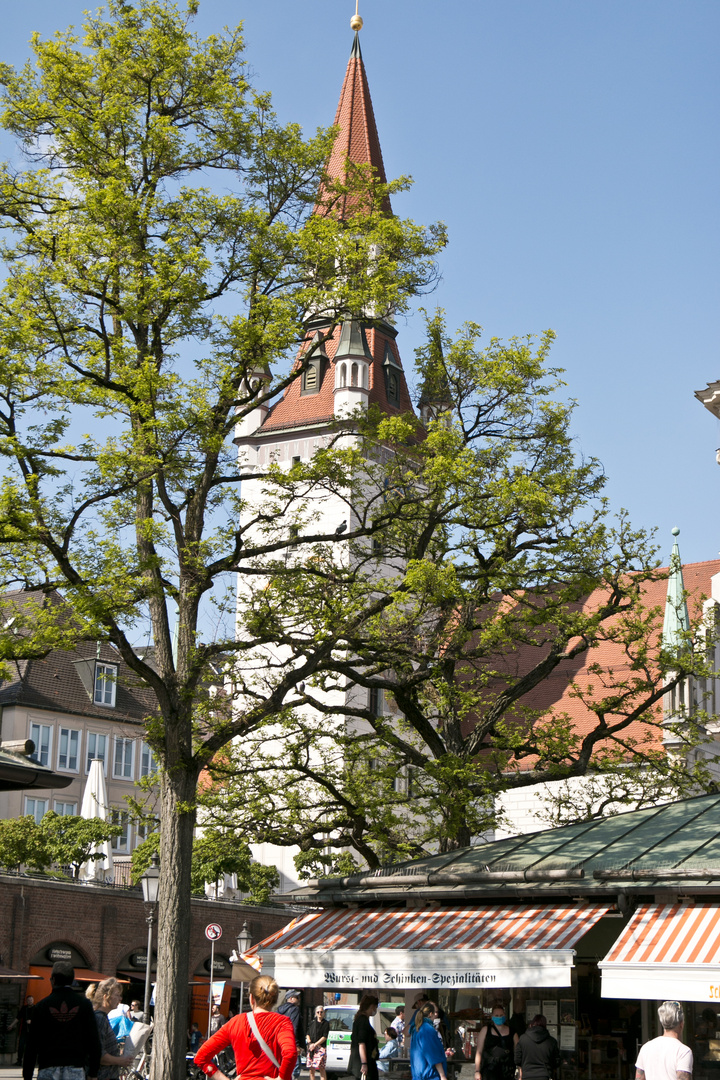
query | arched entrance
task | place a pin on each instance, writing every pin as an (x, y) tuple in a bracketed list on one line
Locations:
[(43, 960)]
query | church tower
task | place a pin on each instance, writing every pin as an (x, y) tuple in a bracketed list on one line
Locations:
[(342, 368)]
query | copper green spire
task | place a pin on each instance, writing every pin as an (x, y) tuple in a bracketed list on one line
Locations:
[(677, 620)]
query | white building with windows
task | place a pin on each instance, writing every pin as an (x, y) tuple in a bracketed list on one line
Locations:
[(75, 706)]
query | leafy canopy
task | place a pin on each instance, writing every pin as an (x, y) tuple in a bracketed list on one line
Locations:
[(58, 839), (495, 580)]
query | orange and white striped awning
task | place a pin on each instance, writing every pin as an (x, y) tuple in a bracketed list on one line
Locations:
[(666, 951), (517, 945)]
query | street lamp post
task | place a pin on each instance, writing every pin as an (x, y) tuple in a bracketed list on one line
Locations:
[(244, 941), (150, 881)]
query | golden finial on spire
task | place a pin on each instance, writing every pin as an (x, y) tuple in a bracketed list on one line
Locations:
[(356, 22)]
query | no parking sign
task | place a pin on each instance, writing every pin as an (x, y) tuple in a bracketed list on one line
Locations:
[(213, 932)]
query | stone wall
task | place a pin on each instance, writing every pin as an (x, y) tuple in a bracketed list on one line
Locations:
[(106, 924)]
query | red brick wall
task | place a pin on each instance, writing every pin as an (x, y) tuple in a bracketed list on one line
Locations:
[(106, 923)]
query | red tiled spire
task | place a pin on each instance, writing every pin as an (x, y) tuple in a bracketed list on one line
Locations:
[(357, 139)]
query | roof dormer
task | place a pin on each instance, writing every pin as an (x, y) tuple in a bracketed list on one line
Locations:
[(99, 679)]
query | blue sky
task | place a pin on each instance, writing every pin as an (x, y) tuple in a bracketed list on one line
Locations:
[(571, 146)]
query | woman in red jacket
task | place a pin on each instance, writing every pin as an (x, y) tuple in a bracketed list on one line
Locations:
[(251, 1058)]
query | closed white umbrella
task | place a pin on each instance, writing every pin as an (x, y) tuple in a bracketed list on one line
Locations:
[(95, 804)]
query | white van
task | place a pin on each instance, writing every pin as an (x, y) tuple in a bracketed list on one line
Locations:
[(340, 1018)]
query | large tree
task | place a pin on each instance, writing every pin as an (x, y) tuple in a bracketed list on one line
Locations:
[(497, 570), (161, 257)]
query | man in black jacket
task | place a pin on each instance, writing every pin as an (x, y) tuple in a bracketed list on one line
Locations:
[(291, 1007), (536, 1052), (63, 1038)]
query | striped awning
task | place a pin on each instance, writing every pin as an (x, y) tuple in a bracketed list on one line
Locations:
[(517, 945), (666, 951)]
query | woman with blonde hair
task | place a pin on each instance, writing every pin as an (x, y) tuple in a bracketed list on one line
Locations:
[(107, 997), (263, 1041)]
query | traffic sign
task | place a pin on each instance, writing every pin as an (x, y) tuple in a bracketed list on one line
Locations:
[(213, 931)]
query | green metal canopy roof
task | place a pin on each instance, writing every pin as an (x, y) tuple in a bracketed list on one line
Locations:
[(658, 847)]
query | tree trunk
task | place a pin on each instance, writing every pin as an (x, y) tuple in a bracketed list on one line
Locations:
[(177, 822)]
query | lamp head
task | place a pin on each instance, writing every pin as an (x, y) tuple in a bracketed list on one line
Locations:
[(244, 939), (150, 880)]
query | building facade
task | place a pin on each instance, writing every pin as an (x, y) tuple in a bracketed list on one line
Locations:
[(76, 705)]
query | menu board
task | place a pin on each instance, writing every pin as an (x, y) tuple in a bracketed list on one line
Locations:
[(567, 1036), (550, 1012)]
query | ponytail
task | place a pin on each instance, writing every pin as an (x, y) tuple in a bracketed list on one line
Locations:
[(427, 1010)]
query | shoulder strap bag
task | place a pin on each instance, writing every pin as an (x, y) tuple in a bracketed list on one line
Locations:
[(263, 1045)]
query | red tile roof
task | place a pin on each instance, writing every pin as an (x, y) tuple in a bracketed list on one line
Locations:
[(357, 140), (296, 410), (557, 694)]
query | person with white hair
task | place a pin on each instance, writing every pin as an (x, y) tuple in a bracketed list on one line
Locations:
[(666, 1058)]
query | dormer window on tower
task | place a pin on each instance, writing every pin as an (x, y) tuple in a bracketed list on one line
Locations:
[(312, 376), (352, 357), (392, 372)]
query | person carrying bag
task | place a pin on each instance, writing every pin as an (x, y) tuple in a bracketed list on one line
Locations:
[(494, 1059), (263, 1041)]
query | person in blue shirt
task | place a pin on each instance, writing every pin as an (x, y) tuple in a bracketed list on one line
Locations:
[(391, 1049), (427, 1053)]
